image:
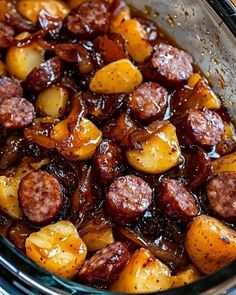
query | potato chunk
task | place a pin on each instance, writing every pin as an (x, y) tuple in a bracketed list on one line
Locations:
[(224, 164), (31, 8), (158, 154), (119, 18), (117, 77), (57, 248), (144, 273), (137, 45), (20, 61), (210, 244), (86, 138), (9, 187), (52, 102), (97, 233), (185, 277)]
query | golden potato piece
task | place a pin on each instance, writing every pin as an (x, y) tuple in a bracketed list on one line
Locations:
[(118, 77), (117, 20), (224, 164), (57, 248), (185, 277), (9, 187), (2, 69), (194, 79), (159, 153), (52, 102), (86, 138), (210, 244), (9, 196), (31, 8), (21, 61), (144, 273), (137, 45), (97, 233)]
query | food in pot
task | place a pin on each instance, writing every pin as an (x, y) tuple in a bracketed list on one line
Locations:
[(117, 159)]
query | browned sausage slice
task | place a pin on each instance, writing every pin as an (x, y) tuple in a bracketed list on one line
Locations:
[(149, 101), (204, 127), (89, 19), (40, 197), (105, 265), (128, 198), (176, 201), (221, 192), (9, 87), (174, 66), (16, 113), (108, 160), (199, 169), (44, 75)]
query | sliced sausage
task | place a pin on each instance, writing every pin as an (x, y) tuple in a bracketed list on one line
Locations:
[(172, 65), (204, 127), (176, 201), (16, 113), (10, 87), (89, 19), (199, 169), (108, 161), (105, 265), (221, 192), (128, 198), (119, 129), (44, 75), (40, 197), (149, 101)]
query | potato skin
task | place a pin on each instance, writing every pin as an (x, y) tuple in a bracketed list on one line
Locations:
[(210, 244), (144, 273), (57, 248)]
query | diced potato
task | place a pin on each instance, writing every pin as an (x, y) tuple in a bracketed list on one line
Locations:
[(118, 77), (229, 131), (9, 196), (86, 138), (137, 45), (123, 15), (210, 244), (159, 153), (21, 61), (144, 273), (185, 277), (52, 102), (224, 164), (75, 3), (31, 8), (9, 187), (57, 248), (194, 79), (2, 69), (97, 233)]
